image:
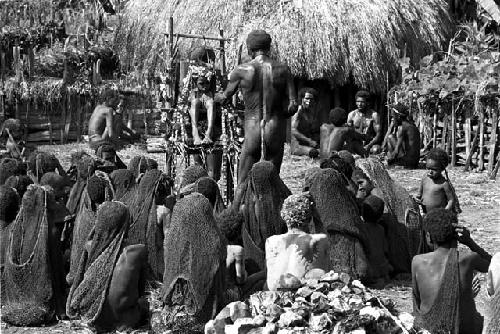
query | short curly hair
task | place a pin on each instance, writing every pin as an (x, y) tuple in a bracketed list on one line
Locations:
[(8, 168), (338, 116), (363, 94), (229, 223), (20, 183), (309, 90), (440, 224), (297, 210), (337, 163), (40, 163), (439, 155), (373, 209)]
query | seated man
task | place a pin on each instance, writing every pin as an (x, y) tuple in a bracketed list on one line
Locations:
[(378, 263), (108, 288), (296, 252), (106, 123), (305, 131), (40, 163), (366, 121), (337, 136), (442, 280), (403, 149)]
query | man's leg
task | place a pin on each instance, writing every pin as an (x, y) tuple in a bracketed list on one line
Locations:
[(275, 141), (250, 152)]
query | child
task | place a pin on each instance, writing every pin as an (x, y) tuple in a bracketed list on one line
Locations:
[(379, 267), (436, 190)]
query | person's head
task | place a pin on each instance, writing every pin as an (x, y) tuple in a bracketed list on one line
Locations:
[(122, 180), (163, 189), (107, 153), (8, 168), (347, 157), (372, 209), (12, 126), (9, 204), (258, 42), (338, 116), (436, 162), (229, 223), (191, 174), (308, 97), (58, 183), (439, 224), (20, 183), (97, 188), (399, 113), (363, 182), (40, 163), (202, 54), (337, 163), (297, 211), (110, 98), (208, 188), (362, 100)]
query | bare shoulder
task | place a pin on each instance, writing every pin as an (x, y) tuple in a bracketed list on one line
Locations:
[(134, 253), (319, 237)]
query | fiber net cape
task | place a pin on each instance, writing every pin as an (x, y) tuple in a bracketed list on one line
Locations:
[(336, 207), (195, 255), (85, 167), (443, 317), (29, 280), (404, 223), (260, 198), (95, 270), (144, 227), (124, 185), (84, 223)]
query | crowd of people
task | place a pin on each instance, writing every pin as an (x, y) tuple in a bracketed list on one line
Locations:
[(90, 242)]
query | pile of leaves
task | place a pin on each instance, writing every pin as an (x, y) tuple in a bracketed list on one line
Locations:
[(331, 304), (463, 77)]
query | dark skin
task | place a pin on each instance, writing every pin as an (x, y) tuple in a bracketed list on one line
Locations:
[(344, 137), (404, 148), (305, 141), (435, 191), (366, 121), (428, 269), (250, 78)]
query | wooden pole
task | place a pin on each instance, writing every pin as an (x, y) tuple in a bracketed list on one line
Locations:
[(444, 133), (222, 54), (171, 35), (453, 134), (493, 138), (170, 47), (468, 161), (494, 173), (481, 139), (468, 130), (434, 130)]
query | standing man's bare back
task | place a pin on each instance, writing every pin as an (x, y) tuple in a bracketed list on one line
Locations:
[(266, 86)]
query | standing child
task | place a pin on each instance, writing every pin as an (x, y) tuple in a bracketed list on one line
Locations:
[(436, 190)]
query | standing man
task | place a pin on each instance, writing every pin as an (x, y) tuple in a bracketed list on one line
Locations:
[(366, 121), (305, 130), (266, 84), (404, 148)]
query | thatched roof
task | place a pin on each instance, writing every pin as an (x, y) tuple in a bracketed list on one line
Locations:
[(331, 39)]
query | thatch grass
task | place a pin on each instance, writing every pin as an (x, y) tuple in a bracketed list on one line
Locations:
[(320, 39)]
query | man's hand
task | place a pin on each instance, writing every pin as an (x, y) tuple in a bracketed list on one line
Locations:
[(463, 235), (476, 286), (207, 140), (197, 141), (293, 107), (313, 143), (368, 148)]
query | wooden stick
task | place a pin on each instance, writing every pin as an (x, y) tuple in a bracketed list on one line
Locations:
[(177, 35), (493, 139), (444, 134), (453, 134), (467, 127), (222, 56), (434, 130), (468, 161), (494, 173), (481, 139)]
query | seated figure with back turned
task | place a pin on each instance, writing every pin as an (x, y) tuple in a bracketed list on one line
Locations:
[(296, 254), (305, 129), (106, 122)]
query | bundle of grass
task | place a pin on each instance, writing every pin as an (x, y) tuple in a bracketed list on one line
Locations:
[(317, 39)]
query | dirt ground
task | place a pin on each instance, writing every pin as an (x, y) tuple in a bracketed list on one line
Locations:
[(479, 198)]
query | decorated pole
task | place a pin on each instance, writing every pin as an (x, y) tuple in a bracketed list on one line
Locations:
[(481, 139), (493, 138), (453, 133)]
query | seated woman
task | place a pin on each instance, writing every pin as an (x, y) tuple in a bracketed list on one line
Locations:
[(338, 211), (297, 252), (260, 199), (10, 167), (108, 288), (33, 276), (140, 165), (208, 187), (40, 163), (402, 215), (146, 225), (241, 278), (123, 181), (193, 292), (83, 166)]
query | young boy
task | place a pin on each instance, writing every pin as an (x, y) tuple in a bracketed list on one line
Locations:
[(443, 300), (379, 267), (436, 190)]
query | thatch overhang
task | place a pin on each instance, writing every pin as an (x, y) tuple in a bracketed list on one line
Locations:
[(319, 39)]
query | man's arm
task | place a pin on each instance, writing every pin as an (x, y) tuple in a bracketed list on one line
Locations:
[(378, 131), (450, 197), (209, 105), (292, 94), (109, 131), (481, 259), (232, 86), (297, 134), (415, 291)]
